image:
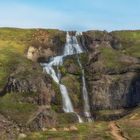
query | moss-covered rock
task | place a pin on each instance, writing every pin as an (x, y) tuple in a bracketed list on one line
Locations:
[(23, 86), (130, 125), (56, 102), (71, 66), (109, 66), (67, 118), (130, 41), (45, 44), (74, 88), (13, 107), (99, 130)]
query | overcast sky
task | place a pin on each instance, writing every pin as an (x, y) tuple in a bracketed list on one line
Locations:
[(71, 14)]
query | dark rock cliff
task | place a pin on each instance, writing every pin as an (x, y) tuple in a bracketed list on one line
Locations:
[(45, 44), (112, 72)]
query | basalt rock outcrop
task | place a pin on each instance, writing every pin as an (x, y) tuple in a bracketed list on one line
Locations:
[(112, 72), (30, 80), (45, 44)]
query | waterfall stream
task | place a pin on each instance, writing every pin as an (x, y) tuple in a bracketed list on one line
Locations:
[(85, 93), (71, 47)]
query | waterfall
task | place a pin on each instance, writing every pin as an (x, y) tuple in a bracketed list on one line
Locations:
[(71, 47), (84, 88), (56, 76), (85, 94)]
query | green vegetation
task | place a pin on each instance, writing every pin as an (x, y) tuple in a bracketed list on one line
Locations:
[(107, 115), (133, 50), (57, 105), (97, 35), (13, 106), (130, 41), (17, 35), (83, 58), (107, 112), (90, 131), (54, 32), (71, 66), (130, 124), (127, 36), (74, 88), (72, 76), (131, 129), (110, 59), (66, 118), (13, 44), (16, 106)]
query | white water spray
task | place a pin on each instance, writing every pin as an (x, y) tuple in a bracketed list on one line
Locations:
[(84, 88), (58, 61), (85, 94), (71, 47)]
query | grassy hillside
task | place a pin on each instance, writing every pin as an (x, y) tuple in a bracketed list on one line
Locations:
[(130, 41), (13, 47), (127, 36), (19, 107), (114, 59), (13, 44), (130, 124), (90, 131)]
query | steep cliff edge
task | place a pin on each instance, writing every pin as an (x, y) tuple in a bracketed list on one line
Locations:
[(45, 44), (112, 68)]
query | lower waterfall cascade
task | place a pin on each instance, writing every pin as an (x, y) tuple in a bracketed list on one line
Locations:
[(71, 48), (85, 94)]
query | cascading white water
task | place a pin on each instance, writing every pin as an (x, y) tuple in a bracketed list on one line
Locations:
[(67, 105), (84, 90), (85, 94), (71, 47), (86, 99)]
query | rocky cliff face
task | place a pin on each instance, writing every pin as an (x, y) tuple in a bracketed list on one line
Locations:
[(112, 71), (45, 44), (31, 99), (34, 82), (26, 92)]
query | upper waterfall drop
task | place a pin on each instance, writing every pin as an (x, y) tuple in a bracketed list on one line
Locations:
[(72, 46)]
